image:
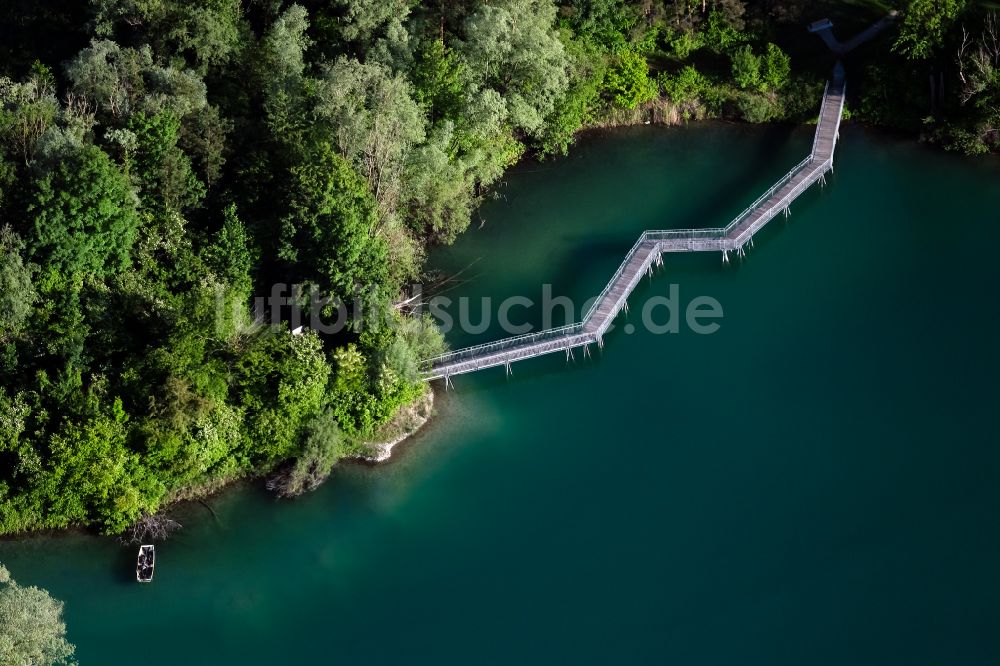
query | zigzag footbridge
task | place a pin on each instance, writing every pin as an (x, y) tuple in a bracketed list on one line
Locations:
[(648, 252)]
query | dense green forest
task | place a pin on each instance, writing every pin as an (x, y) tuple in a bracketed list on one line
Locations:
[(164, 162)]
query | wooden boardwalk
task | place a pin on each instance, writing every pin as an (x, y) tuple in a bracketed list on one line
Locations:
[(648, 251)]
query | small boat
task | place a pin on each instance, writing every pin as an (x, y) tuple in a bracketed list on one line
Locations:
[(144, 565)]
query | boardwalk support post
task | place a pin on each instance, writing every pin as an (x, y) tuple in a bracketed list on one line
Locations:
[(569, 354), (586, 350), (725, 256), (507, 367)]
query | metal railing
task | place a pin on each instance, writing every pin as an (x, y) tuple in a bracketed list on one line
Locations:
[(614, 279), (819, 121), (504, 344), (500, 357), (698, 239), (744, 236)]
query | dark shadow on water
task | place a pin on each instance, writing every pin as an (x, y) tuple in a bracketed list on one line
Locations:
[(732, 194), (727, 195), (713, 211), (123, 563)]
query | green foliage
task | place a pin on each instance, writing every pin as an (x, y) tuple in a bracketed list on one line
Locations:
[(756, 107), (193, 434), (627, 80), (202, 136), (324, 445), (580, 101), (354, 406), (362, 21), (281, 383), (438, 194), (17, 293), (94, 477), (330, 227), (747, 69), (280, 75), (231, 254), (110, 77), (205, 33), (512, 49), (605, 22), (925, 25), (979, 74), (373, 120), (685, 42), (722, 32), (883, 101), (282, 51), (777, 67), (437, 80), (84, 216), (685, 87), (412, 339), (798, 97), (8, 176), (361, 399), (27, 110), (32, 630), (168, 181)]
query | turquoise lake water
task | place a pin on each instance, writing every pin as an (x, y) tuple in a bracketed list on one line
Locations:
[(816, 483)]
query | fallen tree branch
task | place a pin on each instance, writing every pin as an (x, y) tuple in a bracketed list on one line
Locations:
[(149, 528)]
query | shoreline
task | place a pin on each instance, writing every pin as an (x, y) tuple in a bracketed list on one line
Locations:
[(408, 422)]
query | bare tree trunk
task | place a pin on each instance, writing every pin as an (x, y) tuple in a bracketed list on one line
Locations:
[(961, 55)]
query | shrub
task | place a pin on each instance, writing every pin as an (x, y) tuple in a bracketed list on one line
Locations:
[(777, 67), (684, 87), (628, 80), (758, 108), (684, 43), (746, 69)]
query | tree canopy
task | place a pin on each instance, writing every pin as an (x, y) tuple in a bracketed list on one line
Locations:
[(85, 217), (32, 630)]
